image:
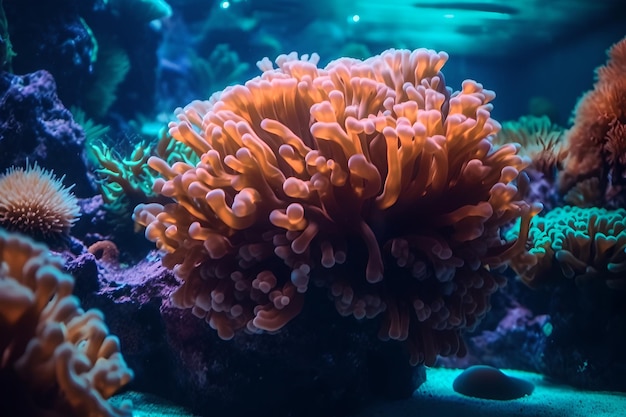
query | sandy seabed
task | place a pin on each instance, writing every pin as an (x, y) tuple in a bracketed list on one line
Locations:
[(435, 398)]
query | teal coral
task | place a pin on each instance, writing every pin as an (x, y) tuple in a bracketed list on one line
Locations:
[(141, 10), (6, 49), (122, 177), (575, 243), (125, 181)]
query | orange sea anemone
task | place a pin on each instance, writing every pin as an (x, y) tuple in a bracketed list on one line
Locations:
[(369, 178)]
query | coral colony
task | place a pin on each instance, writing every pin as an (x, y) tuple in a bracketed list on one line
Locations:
[(370, 198)]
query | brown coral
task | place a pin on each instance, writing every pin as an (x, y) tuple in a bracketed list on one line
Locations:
[(55, 358), (595, 114), (106, 251), (367, 177), (615, 150)]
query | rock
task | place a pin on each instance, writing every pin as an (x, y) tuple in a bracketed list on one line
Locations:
[(490, 383), (319, 364)]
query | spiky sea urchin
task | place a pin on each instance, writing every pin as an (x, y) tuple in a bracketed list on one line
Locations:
[(35, 202)]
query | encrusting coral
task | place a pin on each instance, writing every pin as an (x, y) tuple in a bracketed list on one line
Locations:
[(369, 178), (575, 243), (34, 202), (55, 358)]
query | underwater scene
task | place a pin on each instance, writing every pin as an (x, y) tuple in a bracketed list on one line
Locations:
[(330, 208)]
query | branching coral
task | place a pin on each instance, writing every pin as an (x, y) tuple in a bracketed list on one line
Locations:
[(579, 243), (367, 177), (55, 358), (33, 201), (122, 178), (598, 113), (125, 180)]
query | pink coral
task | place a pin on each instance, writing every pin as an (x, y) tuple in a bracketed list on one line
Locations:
[(369, 178)]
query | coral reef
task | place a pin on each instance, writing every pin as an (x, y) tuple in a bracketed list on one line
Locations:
[(304, 215), (369, 178), (57, 360), (35, 202)]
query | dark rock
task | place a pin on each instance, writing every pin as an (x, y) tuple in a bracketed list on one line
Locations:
[(490, 383), (586, 347), (36, 127), (319, 364), (573, 333), (512, 336), (52, 36)]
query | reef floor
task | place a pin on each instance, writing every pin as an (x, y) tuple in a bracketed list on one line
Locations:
[(435, 398)]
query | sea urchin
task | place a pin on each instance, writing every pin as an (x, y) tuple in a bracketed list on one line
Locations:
[(34, 201)]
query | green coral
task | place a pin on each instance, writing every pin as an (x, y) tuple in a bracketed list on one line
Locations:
[(92, 129), (575, 243), (6, 50), (122, 177), (127, 180)]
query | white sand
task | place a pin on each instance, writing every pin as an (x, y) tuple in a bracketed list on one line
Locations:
[(435, 398)]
